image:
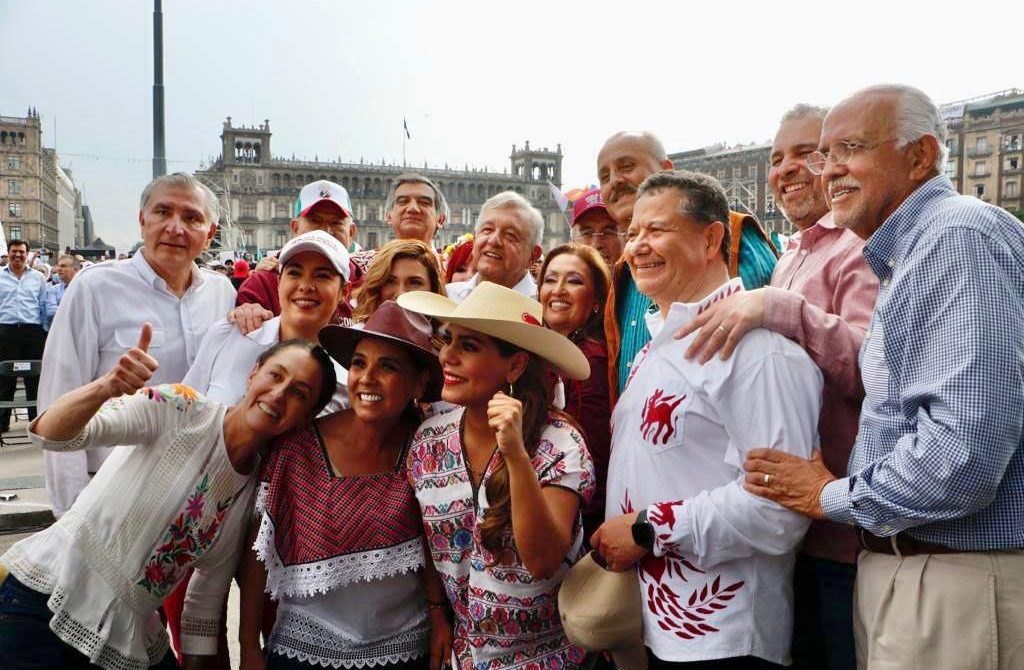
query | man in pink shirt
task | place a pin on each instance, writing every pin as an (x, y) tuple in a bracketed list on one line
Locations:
[(821, 295)]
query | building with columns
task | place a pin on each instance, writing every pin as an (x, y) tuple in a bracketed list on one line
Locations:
[(260, 190)]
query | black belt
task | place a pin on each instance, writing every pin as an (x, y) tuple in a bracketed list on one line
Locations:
[(906, 545), (20, 325)]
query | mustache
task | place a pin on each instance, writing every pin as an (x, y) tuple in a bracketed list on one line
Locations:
[(623, 189), (842, 182)]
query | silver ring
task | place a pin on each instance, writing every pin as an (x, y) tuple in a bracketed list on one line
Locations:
[(723, 329), (767, 479)]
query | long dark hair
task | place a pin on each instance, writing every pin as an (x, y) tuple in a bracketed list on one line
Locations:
[(533, 389), (328, 380)]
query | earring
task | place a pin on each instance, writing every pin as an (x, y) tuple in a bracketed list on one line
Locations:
[(511, 391)]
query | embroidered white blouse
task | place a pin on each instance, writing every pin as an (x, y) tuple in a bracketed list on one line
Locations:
[(718, 583), (171, 503)]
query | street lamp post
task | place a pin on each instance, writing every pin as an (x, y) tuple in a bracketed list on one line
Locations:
[(159, 155)]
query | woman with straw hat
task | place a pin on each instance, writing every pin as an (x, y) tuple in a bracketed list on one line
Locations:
[(340, 535), (501, 479)]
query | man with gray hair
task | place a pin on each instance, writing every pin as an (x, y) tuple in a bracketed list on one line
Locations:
[(415, 209), (102, 313), (67, 267), (507, 239), (936, 476), (821, 295)]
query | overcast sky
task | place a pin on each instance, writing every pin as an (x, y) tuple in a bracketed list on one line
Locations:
[(472, 78)]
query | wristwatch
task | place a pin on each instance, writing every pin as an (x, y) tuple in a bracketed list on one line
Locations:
[(643, 532)]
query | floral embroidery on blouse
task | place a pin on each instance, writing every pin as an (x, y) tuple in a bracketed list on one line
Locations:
[(505, 617), (180, 395), (184, 542)]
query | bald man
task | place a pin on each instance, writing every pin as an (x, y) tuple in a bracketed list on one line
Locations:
[(624, 162)]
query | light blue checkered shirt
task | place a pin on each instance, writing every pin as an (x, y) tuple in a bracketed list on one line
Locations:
[(939, 449)]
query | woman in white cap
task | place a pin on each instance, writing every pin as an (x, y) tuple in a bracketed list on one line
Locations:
[(314, 270), (501, 480), (340, 535)]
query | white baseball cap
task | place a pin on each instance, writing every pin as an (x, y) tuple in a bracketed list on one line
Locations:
[(322, 243), (319, 191)]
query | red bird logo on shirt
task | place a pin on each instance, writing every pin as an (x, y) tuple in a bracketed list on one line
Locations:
[(657, 417)]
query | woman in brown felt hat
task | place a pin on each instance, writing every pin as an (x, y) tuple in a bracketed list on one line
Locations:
[(340, 535), (501, 479)]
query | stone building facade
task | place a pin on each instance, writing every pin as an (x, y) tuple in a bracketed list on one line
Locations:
[(28, 183), (743, 173), (39, 202), (986, 147), (260, 190)]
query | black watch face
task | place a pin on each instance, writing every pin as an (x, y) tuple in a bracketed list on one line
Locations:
[(643, 534)]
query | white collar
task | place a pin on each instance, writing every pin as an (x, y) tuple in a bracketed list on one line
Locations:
[(682, 313), (146, 271)]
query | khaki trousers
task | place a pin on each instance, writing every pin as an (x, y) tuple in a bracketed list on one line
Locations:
[(940, 611)]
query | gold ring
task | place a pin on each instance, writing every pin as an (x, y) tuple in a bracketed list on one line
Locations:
[(723, 329), (767, 479)]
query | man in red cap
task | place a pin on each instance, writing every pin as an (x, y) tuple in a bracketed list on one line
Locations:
[(593, 226), (323, 205)]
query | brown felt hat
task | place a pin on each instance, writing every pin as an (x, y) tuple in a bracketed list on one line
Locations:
[(391, 323)]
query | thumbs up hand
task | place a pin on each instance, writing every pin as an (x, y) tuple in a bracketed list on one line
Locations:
[(133, 369)]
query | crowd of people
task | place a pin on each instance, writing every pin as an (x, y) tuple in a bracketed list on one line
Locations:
[(807, 455)]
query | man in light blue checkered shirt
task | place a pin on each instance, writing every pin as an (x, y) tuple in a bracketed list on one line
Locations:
[(937, 474)]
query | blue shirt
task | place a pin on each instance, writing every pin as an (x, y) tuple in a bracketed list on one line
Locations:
[(939, 448), (21, 300), (53, 295), (633, 333)]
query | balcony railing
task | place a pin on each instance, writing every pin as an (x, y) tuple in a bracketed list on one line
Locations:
[(978, 153), (980, 175)]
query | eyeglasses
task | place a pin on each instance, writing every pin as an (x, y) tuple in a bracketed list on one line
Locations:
[(595, 235), (840, 153)]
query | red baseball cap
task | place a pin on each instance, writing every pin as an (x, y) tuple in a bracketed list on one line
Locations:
[(588, 202)]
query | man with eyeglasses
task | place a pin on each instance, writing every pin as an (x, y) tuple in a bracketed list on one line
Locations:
[(592, 226), (821, 296), (936, 483)]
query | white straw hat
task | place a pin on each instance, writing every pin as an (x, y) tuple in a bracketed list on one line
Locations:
[(507, 315)]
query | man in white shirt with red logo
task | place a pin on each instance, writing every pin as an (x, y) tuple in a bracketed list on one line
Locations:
[(714, 562)]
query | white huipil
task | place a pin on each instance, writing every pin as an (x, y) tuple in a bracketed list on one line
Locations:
[(170, 503), (718, 583)]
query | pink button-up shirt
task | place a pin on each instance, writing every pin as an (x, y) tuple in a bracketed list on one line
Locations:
[(822, 294)]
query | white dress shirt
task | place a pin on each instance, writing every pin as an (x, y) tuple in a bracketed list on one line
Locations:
[(458, 290), (100, 318), (718, 583), (226, 357)]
